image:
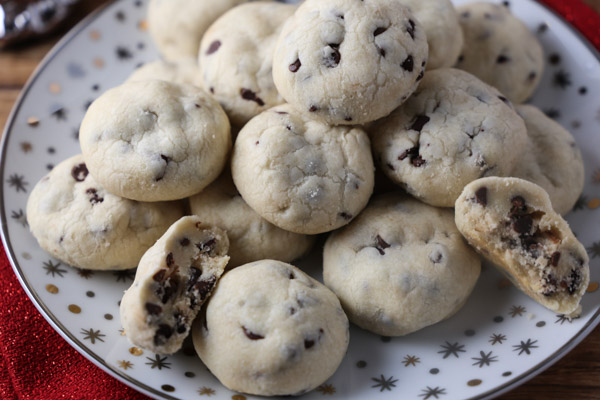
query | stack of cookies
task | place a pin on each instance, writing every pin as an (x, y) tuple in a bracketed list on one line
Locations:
[(270, 123)]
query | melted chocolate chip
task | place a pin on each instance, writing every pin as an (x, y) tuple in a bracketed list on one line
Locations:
[(308, 343), (411, 28), (502, 59), (518, 206), (168, 289), (379, 31), (180, 324), (436, 257), (504, 99), (207, 246), (574, 281), (419, 123), (381, 245), (205, 286), (555, 258), (249, 95), (170, 260), (184, 242), (295, 66), (291, 275), (313, 108), (292, 311), (159, 276), (195, 274), (481, 196), (421, 75), (333, 56), (79, 172), (251, 335), (345, 216), (94, 199), (522, 224), (381, 52), (153, 309), (408, 64), (163, 333), (214, 46)]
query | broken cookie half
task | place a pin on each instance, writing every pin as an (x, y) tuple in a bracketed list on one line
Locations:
[(511, 221), (173, 279)]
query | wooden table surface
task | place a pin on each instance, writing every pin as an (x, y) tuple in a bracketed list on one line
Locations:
[(576, 376)]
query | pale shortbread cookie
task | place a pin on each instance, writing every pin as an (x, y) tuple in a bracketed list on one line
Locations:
[(552, 160), (77, 221), (443, 31), (453, 130), (270, 329), (184, 71), (155, 140), (512, 223), (500, 50), (173, 280), (236, 58), (400, 266), (300, 174), (349, 62), (177, 26), (251, 237)]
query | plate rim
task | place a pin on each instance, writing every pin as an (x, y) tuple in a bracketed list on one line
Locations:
[(82, 349)]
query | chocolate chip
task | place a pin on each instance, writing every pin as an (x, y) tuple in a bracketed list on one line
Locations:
[(419, 123), (502, 59), (292, 311), (522, 224), (197, 105), (379, 31), (518, 206), (180, 325), (153, 309), (381, 52), (332, 57), (411, 28), (281, 112), (421, 75), (408, 64), (170, 260), (205, 286), (345, 216), (163, 332), (252, 335), (184, 242), (481, 196), (295, 66), (574, 281), (214, 46), (504, 99), (291, 275), (313, 108), (436, 257), (207, 246), (531, 77), (381, 245), (166, 291), (159, 276), (195, 274), (79, 172), (348, 119), (249, 95), (212, 90), (308, 343), (554, 258), (94, 199)]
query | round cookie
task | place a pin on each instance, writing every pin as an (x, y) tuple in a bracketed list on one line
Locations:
[(500, 50), (177, 26), (349, 62), (155, 140), (511, 222), (270, 330), (553, 159), (300, 174), (400, 266), (453, 130), (174, 278), (444, 34), (184, 71), (236, 56), (77, 221), (251, 237)]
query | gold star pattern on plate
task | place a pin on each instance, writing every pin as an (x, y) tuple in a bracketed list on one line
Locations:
[(206, 391), (125, 364), (92, 335), (516, 311), (326, 389), (411, 360)]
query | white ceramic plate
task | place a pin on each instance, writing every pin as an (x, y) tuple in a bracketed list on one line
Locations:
[(497, 341)]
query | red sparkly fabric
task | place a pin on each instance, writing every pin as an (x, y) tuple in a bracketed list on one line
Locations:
[(36, 363)]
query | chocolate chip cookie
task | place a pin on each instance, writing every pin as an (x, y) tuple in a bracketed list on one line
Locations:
[(174, 278), (79, 222), (511, 222)]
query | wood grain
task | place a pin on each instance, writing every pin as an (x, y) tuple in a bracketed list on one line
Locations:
[(576, 376)]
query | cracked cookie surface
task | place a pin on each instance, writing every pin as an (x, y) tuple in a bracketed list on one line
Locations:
[(453, 130), (511, 222), (266, 325), (155, 140), (300, 174), (251, 237), (443, 31), (174, 278), (236, 58), (349, 62), (553, 160), (500, 50), (177, 26), (400, 266), (77, 221)]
